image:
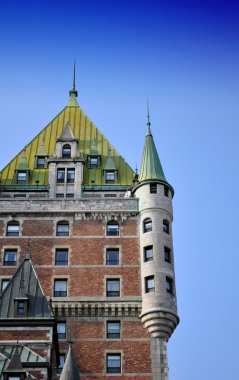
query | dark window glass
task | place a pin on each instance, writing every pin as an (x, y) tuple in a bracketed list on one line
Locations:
[(169, 285), (166, 191), (148, 253), (61, 257), (113, 287), (112, 229), (113, 363), (70, 175), (167, 254), (61, 330), (166, 226), (60, 195), (60, 288), (4, 283), (62, 229), (10, 257), (149, 284), (21, 177), (20, 307), (110, 176), (41, 162), (66, 151), (113, 330), (60, 175), (13, 228), (153, 188), (69, 195), (147, 225), (112, 256)]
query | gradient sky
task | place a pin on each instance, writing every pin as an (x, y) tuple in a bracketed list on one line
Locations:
[(183, 56)]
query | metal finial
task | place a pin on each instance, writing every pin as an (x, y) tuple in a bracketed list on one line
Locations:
[(74, 76), (148, 117)]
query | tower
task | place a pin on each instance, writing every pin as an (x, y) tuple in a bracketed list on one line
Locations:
[(159, 309), (100, 239)]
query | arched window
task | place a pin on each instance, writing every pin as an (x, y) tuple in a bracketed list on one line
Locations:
[(147, 225), (66, 151), (112, 228), (62, 228), (165, 226), (13, 228)]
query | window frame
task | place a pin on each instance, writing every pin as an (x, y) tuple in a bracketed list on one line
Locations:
[(111, 250), (112, 293), (61, 335), (109, 231), (146, 257), (149, 289), (60, 293), (41, 165), (153, 188), (110, 176), (113, 335), (66, 151), (166, 191), (19, 174), (61, 178), (166, 228), (93, 165), (62, 223), (167, 255), (113, 370), (69, 177), (13, 223), (61, 262), (169, 285), (147, 221), (4, 280), (10, 263)]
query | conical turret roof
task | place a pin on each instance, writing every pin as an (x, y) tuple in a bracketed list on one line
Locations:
[(70, 370)]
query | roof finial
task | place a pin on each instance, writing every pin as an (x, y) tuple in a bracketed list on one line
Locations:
[(73, 92), (148, 117)]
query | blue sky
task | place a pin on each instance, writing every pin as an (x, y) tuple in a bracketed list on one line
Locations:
[(183, 56)]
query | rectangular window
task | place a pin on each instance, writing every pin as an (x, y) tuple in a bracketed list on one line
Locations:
[(169, 285), (21, 177), (60, 195), (10, 257), (41, 162), (13, 378), (113, 363), (113, 330), (70, 195), (153, 188), (62, 228), (147, 225), (61, 363), (112, 256), (70, 175), (166, 191), (110, 177), (93, 162), (60, 288), (61, 330), (113, 287), (148, 253), (4, 283), (149, 284), (61, 257), (60, 175), (20, 307), (167, 254), (13, 229)]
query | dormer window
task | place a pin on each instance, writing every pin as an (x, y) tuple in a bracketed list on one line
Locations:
[(93, 162), (40, 162), (110, 176), (66, 151), (21, 177), (21, 306)]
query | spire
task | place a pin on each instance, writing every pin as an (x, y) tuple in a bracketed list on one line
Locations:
[(70, 370), (73, 93), (151, 168)]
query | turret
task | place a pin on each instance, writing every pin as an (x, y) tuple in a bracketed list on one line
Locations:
[(159, 309)]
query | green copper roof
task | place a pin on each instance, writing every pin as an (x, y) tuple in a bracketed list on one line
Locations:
[(93, 149), (23, 163), (110, 165), (41, 151), (151, 168)]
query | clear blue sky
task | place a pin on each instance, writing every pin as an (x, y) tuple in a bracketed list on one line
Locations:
[(183, 56)]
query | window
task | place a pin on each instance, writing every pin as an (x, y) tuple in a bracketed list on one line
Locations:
[(112, 256), (165, 226), (41, 162), (149, 284), (66, 151), (13, 378), (110, 176), (10, 257), (4, 283), (169, 285), (113, 287), (166, 191), (20, 307), (61, 330), (60, 175), (70, 195), (113, 330), (60, 288), (61, 257), (13, 228), (21, 177), (147, 225), (167, 254), (113, 363), (60, 195), (153, 188), (148, 253), (62, 228), (61, 363), (93, 162), (112, 229), (70, 175)]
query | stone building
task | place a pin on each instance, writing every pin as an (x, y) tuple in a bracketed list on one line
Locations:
[(86, 266)]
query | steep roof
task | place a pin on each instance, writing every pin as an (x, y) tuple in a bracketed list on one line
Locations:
[(25, 284), (70, 370), (88, 135), (151, 168)]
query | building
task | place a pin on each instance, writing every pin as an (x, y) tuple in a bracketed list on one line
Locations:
[(87, 267)]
